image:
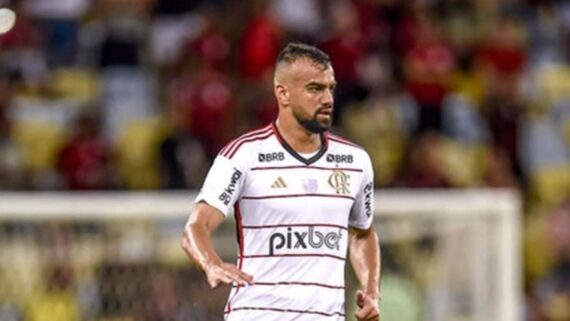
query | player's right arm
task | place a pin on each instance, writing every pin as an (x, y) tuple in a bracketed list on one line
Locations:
[(221, 190), (197, 244)]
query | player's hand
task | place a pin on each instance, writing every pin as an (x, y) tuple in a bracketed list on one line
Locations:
[(368, 309), (226, 273)]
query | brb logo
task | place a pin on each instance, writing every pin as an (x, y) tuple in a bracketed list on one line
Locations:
[(270, 157), (304, 238), (334, 158)]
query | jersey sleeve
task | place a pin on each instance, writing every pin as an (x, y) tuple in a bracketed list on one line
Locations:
[(224, 183), (362, 211)]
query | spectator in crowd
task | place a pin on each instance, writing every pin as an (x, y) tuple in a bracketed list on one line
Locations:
[(421, 168), (552, 291), (58, 300), (12, 171), (260, 43), (84, 161), (347, 46), (428, 66), (183, 161)]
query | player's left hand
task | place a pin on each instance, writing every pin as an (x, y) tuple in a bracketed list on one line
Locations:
[(368, 309)]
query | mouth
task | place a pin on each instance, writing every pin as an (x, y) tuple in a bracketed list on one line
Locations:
[(325, 112)]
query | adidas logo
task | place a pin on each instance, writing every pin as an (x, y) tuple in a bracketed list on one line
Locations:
[(279, 183)]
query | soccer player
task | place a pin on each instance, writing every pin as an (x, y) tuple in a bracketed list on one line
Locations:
[(302, 198)]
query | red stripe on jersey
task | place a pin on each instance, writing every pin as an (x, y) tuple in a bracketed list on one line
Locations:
[(239, 234), (293, 225), (343, 141), (307, 167), (232, 143), (340, 287), (289, 311), (337, 137), (296, 195), (277, 134), (259, 256), (249, 140)]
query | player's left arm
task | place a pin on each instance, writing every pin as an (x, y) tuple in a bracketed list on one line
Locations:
[(364, 248), (365, 260)]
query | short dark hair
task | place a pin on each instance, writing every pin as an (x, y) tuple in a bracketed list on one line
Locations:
[(294, 51)]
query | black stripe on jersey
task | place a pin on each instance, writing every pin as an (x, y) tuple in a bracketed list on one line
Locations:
[(293, 225), (336, 287), (290, 150), (307, 167), (325, 314), (264, 256), (296, 195)]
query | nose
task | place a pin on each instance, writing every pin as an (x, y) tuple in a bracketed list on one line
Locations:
[(327, 97)]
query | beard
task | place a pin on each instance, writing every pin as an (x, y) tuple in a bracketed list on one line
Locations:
[(312, 124)]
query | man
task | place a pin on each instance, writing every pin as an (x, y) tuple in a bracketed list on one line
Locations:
[(302, 197)]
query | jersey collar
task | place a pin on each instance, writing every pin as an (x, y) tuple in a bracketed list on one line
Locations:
[(290, 150)]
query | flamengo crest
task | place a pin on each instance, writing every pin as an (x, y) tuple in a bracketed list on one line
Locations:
[(339, 181)]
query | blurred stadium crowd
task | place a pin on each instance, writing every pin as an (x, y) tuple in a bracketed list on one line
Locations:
[(141, 94)]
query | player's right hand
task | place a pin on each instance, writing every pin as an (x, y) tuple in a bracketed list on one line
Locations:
[(368, 309), (226, 273)]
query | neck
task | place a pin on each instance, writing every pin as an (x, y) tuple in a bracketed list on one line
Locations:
[(300, 139)]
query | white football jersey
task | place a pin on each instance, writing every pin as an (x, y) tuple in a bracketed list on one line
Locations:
[(292, 217)]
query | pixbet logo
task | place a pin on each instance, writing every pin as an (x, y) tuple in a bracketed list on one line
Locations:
[(304, 239)]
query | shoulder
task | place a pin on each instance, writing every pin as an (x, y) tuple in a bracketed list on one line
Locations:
[(337, 142), (342, 148), (244, 145)]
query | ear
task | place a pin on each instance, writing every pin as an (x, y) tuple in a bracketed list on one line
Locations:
[(282, 94)]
